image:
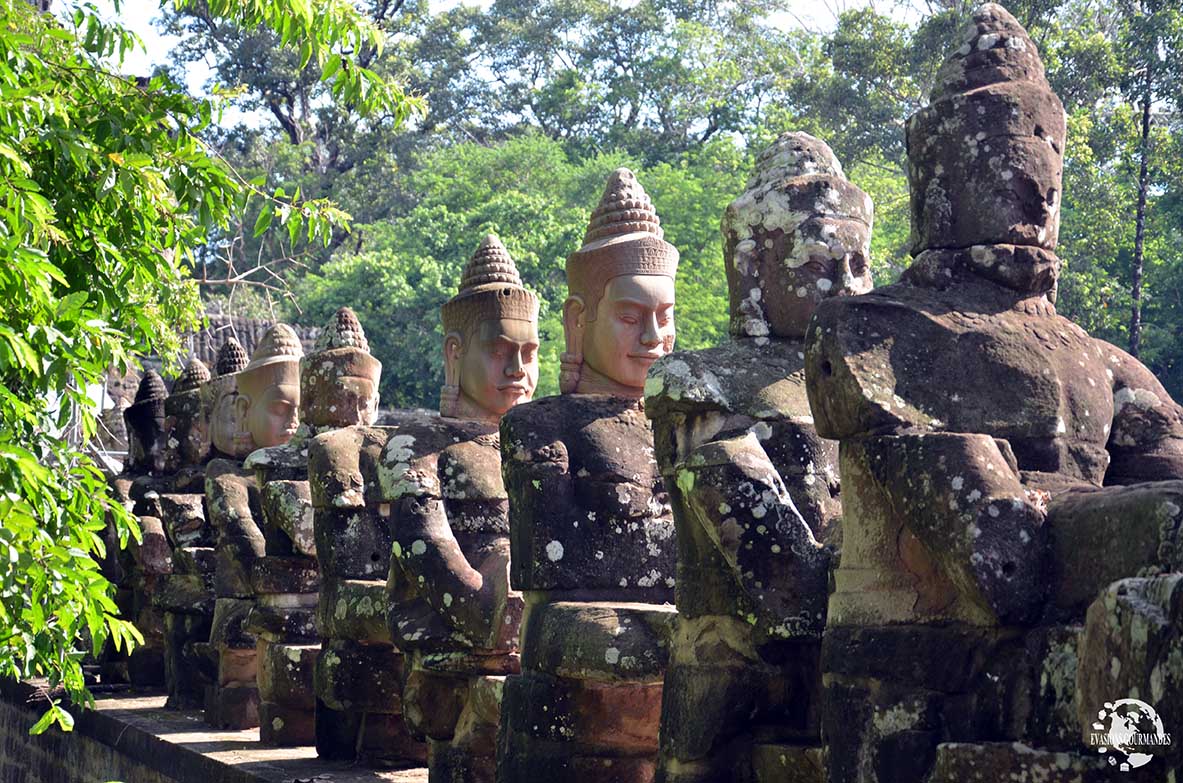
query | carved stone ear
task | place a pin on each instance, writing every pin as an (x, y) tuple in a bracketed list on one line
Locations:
[(574, 323), (571, 360), (242, 404), (453, 351)]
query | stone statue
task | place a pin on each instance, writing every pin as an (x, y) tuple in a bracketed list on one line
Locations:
[(358, 672), (146, 434), (982, 436), (338, 387), (591, 533), (269, 388), (251, 405), (227, 429), (451, 608), (754, 489), (186, 421), (186, 595), (148, 560)]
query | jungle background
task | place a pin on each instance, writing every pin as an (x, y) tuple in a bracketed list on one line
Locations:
[(528, 106)]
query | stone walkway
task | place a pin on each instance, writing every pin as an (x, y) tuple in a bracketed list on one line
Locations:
[(132, 738), (186, 730)]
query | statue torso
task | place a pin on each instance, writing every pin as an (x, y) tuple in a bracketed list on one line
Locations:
[(589, 511), (975, 359)]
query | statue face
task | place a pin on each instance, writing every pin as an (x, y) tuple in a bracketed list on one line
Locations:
[(193, 434), (146, 447), (225, 423), (273, 417), (794, 293), (499, 366), (189, 438), (633, 328)]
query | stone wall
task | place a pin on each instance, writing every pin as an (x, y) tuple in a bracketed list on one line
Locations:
[(54, 757)]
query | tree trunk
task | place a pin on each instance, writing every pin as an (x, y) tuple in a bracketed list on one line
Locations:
[(1140, 223)]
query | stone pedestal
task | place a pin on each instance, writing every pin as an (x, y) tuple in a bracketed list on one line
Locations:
[(186, 597), (286, 583)]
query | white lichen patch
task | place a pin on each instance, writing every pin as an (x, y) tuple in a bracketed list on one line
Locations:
[(554, 551)]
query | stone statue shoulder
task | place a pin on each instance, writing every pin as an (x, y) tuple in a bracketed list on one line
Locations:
[(761, 379), (1146, 437), (963, 360), (593, 437), (288, 462), (433, 456)]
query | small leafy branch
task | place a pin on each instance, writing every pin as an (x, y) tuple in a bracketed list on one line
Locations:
[(107, 193)]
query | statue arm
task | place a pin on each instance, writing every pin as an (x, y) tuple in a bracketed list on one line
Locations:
[(972, 523), (535, 466), (1146, 437), (733, 491), (470, 600)]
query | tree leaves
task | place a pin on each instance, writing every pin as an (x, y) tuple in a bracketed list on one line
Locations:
[(106, 192)]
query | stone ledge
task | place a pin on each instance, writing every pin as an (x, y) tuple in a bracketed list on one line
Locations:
[(130, 737)]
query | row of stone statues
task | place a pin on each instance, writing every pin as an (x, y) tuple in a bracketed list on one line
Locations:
[(655, 575)]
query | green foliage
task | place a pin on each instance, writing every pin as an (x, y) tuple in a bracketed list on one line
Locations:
[(106, 189), (537, 200)]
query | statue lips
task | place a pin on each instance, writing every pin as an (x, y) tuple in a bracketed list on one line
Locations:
[(514, 390)]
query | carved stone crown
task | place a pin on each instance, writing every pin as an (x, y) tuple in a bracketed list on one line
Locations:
[(342, 331), (151, 388), (231, 358), (490, 288), (149, 402), (280, 343), (624, 237), (191, 378)]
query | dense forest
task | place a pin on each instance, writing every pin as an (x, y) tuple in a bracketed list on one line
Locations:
[(527, 105)]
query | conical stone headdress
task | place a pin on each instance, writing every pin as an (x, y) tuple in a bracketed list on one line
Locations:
[(149, 401), (231, 358), (624, 237), (191, 378), (490, 288), (342, 331), (280, 343)]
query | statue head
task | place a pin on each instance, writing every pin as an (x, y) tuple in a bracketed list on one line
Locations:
[(146, 433), (800, 232), (269, 388), (339, 377), (227, 429), (986, 158), (618, 318), (185, 419), (490, 338)]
